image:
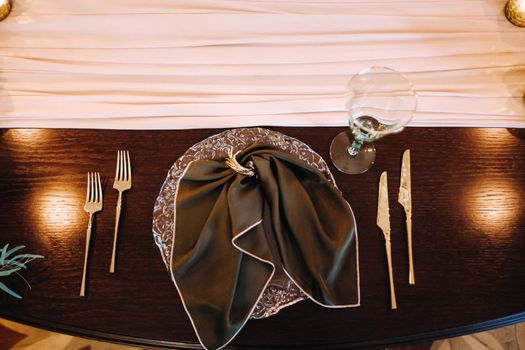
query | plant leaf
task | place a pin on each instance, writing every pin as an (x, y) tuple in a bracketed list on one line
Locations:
[(3, 252), (22, 265), (6, 253), (9, 272), (28, 256), (22, 260), (13, 265), (9, 291), (12, 250)]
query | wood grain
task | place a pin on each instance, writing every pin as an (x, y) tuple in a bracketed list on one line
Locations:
[(468, 227)]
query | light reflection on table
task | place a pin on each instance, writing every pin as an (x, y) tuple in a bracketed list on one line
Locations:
[(27, 136), (493, 205), (493, 202), (57, 211), (497, 134)]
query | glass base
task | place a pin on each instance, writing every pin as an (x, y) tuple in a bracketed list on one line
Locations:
[(346, 163)]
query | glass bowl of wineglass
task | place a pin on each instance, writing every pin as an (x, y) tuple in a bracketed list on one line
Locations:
[(379, 101)]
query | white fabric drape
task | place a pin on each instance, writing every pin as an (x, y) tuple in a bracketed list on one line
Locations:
[(166, 64)]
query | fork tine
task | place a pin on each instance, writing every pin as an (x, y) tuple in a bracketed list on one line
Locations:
[(124, 153), (122, 170), (87, 188), (124, 167), (95, 194), (117, 170), (93, 188), (129, 167), (95, 185), (99, 189), (91, 195)]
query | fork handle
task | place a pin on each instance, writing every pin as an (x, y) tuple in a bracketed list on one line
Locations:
[(393, 303), (88, 239), (117, 219)]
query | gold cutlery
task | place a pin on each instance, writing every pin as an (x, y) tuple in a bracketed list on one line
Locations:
[(383, 221), (122, 183), (93, 204), (405, 199)]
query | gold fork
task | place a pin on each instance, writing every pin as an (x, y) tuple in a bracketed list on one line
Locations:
[(122, 183), (93, 204)]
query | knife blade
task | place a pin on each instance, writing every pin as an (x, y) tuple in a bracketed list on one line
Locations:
[(383, 221), (405, 199), (383, 210)]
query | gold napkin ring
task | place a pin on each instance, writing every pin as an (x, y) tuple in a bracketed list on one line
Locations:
[(231, 161)]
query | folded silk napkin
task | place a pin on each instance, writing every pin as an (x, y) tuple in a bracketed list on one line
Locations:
[(238, 220)]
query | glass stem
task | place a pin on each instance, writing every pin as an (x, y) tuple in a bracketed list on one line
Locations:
[(353, 150)]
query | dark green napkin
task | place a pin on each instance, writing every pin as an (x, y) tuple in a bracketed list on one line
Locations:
[(233, 230)]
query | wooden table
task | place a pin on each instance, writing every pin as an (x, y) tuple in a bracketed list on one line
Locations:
[(469, 240)]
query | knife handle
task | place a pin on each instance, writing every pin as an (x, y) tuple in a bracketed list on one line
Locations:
[(411, 277), (393, 303)]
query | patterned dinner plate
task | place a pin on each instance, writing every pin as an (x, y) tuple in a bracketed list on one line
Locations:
[(281, 291)]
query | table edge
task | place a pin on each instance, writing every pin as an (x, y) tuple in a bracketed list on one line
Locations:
[(369, 344)]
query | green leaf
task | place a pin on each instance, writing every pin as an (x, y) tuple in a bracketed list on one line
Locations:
[(9, 272), (28, 256), (22, 260), (13, 265), (6, 253), (3, 254), (17, 263), (12, 250), (9, 291)]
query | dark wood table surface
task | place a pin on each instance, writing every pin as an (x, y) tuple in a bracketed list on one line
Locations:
[(469, 240)]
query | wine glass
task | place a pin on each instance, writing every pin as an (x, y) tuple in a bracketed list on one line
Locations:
[(380, 101)]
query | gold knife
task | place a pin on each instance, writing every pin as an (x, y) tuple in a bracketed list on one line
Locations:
[(383, 221), (405, 199)]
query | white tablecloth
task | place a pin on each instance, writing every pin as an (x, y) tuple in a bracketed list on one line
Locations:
[(168, 64)]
